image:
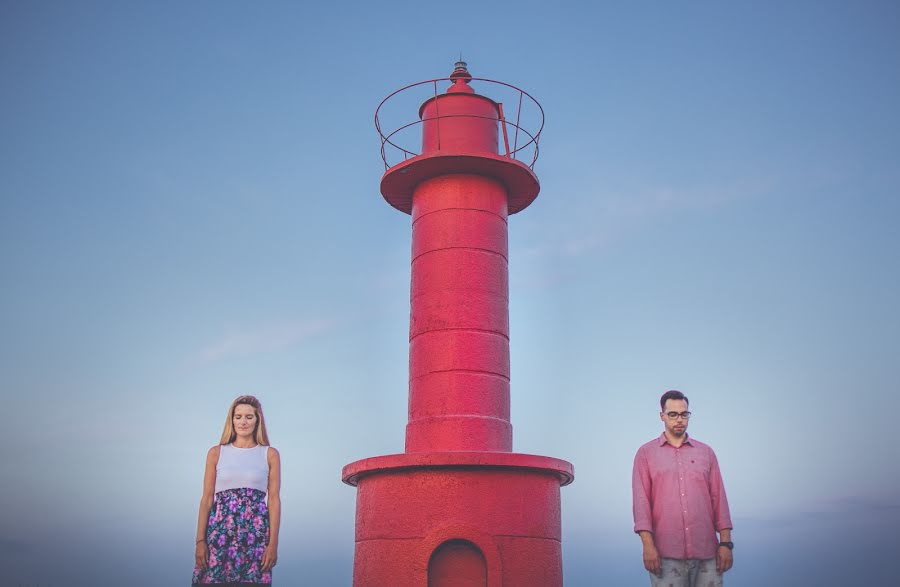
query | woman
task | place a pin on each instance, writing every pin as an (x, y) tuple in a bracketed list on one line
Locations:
[(237, 531)]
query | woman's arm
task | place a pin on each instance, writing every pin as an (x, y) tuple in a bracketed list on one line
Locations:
[(271, 555), (201, 552)]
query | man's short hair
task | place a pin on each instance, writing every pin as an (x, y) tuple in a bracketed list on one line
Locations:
[(672, 394)]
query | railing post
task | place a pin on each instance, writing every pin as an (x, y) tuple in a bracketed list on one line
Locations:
[(503, 122)]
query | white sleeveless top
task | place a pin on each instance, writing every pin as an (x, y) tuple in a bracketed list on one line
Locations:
[(242, 467)]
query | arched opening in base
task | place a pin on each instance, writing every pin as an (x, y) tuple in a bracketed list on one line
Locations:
[(457, 563)]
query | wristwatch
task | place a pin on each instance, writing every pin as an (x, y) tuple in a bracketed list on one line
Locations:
[(728, 545)]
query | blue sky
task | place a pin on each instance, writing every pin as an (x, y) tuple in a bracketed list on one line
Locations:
[(189, 210)]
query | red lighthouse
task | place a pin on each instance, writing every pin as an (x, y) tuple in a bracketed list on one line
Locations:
[(458, 507)]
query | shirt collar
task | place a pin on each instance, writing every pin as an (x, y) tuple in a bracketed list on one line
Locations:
[(664, 441)]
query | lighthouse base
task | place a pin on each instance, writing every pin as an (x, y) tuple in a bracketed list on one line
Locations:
[(458, 519)]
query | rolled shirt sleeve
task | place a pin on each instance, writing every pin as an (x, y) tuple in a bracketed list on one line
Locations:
[(721, 513), (641, 488)]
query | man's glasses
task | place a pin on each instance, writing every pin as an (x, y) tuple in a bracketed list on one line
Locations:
[(674, 415)]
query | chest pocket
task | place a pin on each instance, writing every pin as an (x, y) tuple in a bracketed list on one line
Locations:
[(696, 463), (690, 461)]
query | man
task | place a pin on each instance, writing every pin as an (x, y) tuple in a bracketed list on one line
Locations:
[(680, 504)]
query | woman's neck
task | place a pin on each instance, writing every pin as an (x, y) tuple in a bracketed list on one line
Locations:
[(243, 442)]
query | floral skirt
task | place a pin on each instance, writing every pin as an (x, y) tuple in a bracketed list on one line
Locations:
[(237, 534)]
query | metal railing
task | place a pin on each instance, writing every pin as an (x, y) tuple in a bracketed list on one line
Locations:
[(396, 143)]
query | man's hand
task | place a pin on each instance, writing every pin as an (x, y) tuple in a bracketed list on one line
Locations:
[(651, 559), (724, 559)]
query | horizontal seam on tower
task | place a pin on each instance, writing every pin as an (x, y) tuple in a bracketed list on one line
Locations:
[(391, 538), (504, 257), (466, 289), (526, 536), (482, 330), (455, 415), (459, 415), (467, 209), (469, 371)]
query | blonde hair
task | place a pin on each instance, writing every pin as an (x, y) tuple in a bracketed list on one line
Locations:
[(260, 436)]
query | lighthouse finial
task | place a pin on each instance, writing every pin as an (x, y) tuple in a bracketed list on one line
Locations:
[(460, 70)]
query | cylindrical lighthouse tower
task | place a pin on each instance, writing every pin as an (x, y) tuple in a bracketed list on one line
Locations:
[(458, 507)]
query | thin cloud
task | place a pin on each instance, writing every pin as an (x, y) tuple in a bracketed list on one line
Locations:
[(262, 340), (860, 508), (614, 215), (871, 504)]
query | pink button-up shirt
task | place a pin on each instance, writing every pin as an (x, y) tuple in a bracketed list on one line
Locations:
[(679, 497)]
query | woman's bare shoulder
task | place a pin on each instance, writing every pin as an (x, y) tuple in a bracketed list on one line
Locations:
[(213, 453)]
